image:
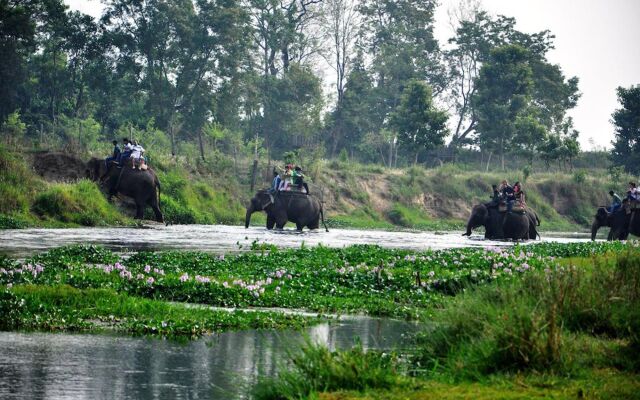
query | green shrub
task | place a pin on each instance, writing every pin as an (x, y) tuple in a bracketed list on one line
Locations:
[(80, 203), (10, 310), (579, 177), (317, 368)]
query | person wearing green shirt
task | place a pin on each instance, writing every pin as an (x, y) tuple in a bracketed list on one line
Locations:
[(298, 179)]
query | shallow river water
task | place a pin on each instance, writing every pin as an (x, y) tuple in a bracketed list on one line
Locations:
[(225, 366), (223, 239)]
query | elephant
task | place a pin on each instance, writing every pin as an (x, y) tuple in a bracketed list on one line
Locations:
[(623, 221), (142, 186), (503, 225), (281, 207)]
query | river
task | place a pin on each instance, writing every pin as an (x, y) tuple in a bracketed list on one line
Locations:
[(224, 239), (224, 366)]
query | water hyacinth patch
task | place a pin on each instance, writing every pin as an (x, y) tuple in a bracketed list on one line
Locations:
[(368, 279)]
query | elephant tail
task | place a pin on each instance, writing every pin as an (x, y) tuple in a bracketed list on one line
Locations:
[(322, 218)]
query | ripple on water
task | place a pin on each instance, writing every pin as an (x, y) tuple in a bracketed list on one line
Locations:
[(224, 239)]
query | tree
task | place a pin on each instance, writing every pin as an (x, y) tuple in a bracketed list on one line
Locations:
[(505, 86), (17, 41), (419, 124), (626, 146), (182, 51), (477, 34)]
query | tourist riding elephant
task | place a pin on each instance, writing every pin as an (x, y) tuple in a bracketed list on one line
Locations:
[(503, 225), (624, 221), (142, 186), (299, 208)]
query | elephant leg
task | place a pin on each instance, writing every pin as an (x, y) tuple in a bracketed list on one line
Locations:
[(299, 227), (156, 209), (270, 222), (139, 210), (280, 225), (315, 224), (157, 213), (610, 235)]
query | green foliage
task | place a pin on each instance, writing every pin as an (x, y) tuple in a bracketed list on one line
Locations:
[(13, 128), (626, 148), (542, 322), (62, 307), (343, 156), (418, 123), (579, 177), (81, 203), (11, 307), (526, 173), (317, 369), (615, 174)]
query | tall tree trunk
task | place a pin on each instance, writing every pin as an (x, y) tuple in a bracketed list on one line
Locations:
[(201, 144), (502, 153), (489, 161), (173, 139)]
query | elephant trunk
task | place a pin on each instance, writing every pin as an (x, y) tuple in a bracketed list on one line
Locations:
[(247, 218), (469, 227), (594, 229)]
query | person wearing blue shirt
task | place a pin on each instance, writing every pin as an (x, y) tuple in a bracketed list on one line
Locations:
[(275, 184), (616, 202), (116, 153)]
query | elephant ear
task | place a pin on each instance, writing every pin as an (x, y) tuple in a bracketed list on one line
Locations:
[(270, 200)]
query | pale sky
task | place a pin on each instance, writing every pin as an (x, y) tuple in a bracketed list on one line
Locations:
[(596, 40)]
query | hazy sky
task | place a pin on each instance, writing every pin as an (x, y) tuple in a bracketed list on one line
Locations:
[(596, 40)]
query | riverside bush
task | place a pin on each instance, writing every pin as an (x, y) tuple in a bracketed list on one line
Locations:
[(316, 368), (538, 322)]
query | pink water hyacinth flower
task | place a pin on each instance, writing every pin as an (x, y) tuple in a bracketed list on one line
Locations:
[(277, 289), (147, 269), (3, 271), (119, 266), (140, 276), (150, 280), (125, 274), (9, 285), (202, 279), (431, 274), (225, 284), (158, 271), (184, 277)]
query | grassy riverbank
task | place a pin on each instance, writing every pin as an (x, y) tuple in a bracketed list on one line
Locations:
[(355, 195), (570, 330)]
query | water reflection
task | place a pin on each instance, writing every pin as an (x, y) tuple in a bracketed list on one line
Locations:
[(64, 366), (222, 239)]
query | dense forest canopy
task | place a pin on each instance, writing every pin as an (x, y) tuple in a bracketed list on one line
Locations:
[(203, 76)]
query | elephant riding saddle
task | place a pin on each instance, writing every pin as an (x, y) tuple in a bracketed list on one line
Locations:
[(518, 207)]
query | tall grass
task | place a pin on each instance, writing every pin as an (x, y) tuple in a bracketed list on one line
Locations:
[(543, 322), (316, 368)]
